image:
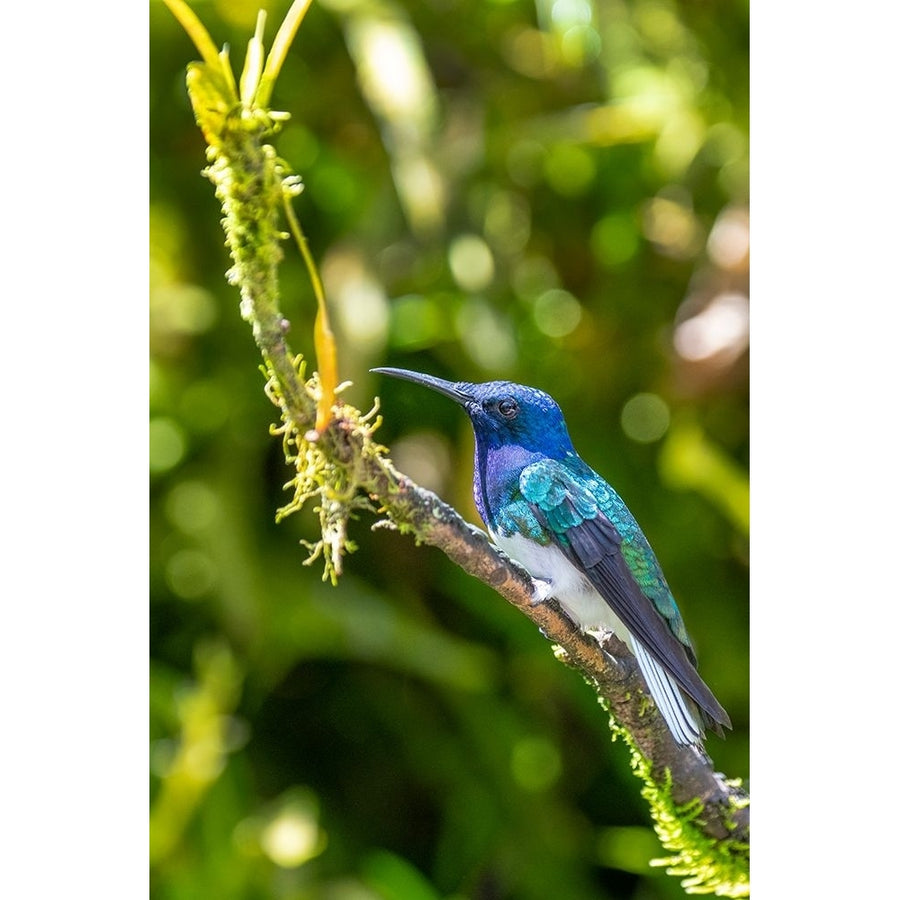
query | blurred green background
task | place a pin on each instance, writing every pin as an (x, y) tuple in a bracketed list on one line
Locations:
[(550, 192)]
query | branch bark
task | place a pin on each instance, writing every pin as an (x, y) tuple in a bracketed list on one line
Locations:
[(606, 663)]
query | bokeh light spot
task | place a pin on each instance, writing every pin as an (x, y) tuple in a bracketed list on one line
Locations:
[(534, 275), (358, 299), (287, 831), (190, 574), (507, 222), (615, 239), (191, 506), (629, 848), (167, 444), (471, 262), (729, 241), (659, 25), (734, 179), (722, 328), (181, 309), (422, 191), (569, 169), (557, 313), (680, 138), (578, 45), (390, 66), (486, 335), (291, 838), (535, 763), (671, 225), (645, 418), (566, 13), (530, 52)]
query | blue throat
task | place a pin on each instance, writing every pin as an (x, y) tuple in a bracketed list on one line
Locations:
[(497, 470)]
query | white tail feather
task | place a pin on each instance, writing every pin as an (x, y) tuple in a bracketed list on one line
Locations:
[(668, 698)]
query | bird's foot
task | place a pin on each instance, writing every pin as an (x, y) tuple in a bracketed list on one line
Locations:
[(602, 635), (599, 634), (542, 591)]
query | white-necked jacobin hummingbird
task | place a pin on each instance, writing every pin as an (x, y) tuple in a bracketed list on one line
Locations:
[(550, 511)]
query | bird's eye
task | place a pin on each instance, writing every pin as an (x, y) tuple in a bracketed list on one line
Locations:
[(508, 408)]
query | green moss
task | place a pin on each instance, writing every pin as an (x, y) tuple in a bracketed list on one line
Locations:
[(254, 188), (705, 865), (319, 475)]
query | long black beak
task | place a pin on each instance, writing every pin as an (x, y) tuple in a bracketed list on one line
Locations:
[(447, 388)]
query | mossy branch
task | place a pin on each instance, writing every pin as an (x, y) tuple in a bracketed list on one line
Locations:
[(701, 817)]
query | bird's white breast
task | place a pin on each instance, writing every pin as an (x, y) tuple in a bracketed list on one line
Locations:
[(571, 588), (587, 608)]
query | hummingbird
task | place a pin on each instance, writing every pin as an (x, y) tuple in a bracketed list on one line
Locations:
[(549, 510)]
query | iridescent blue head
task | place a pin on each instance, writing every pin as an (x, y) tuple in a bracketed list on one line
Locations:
[(514, 426), (503, 413)]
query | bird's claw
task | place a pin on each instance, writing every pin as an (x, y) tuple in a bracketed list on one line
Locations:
[(600, 635)]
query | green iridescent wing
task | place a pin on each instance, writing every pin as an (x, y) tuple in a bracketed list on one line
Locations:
[(623, 570)]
